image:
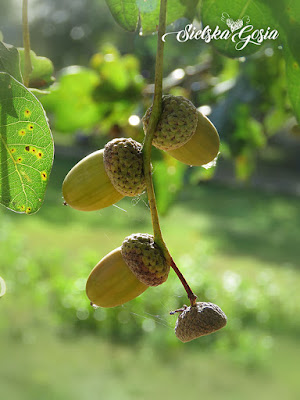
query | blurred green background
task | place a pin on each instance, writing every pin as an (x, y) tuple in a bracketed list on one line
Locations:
[(233, 230)]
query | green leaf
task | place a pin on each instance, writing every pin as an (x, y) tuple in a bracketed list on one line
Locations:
[(245, 12), (289, 17), (149, 13), (71, 100), (282, 15), (42, 70), (125, 12), (2, 287), (26, 147), (9, 61), (128, 12)]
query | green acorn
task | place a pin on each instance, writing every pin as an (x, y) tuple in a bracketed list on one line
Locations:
[(104, 177), (87, 186), (111, 283), (184, 132), (177, 124), (202, 147), (145, 259)]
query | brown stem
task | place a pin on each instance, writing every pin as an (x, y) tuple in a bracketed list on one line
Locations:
[(192, 297)]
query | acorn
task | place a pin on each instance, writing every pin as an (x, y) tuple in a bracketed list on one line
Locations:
[(202, 147), (87, 186), (184, 132), (104, 177), (111, 283), (199, 320), (145, 259), (177, 123)]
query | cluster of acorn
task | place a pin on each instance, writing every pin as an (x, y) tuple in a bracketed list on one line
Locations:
[(106, 176)]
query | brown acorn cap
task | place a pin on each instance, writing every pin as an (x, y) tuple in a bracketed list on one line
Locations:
[(176, 125), (123, 161), (145, 259), (202, 147), (111, 283), (87, 186), (199, 320)]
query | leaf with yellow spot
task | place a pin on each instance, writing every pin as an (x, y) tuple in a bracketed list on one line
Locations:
[(22, 132), (26, 147)]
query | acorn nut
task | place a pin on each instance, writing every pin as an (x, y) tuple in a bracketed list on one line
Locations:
[(202, 147), (145, 259), (184, 132), (105, 176), (199, 320), (177, 123), (87, 186), (111, 283)]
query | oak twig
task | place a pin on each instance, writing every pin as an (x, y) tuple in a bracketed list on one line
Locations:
[(154, 118), (26, 44)]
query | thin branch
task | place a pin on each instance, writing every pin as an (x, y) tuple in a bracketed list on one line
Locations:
[(154, 118), (192, 297), (26, 44), (156, 111)]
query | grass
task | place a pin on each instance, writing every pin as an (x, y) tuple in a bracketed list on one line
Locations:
[(86, 368), (231, 233)]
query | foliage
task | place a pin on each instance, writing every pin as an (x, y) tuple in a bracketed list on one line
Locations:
[(249, 95), (264, 16), (42, 70), (26, 147), (9, 61), (71, 100), (281, 15), (128, 13), (98, 97), (101, 98)]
